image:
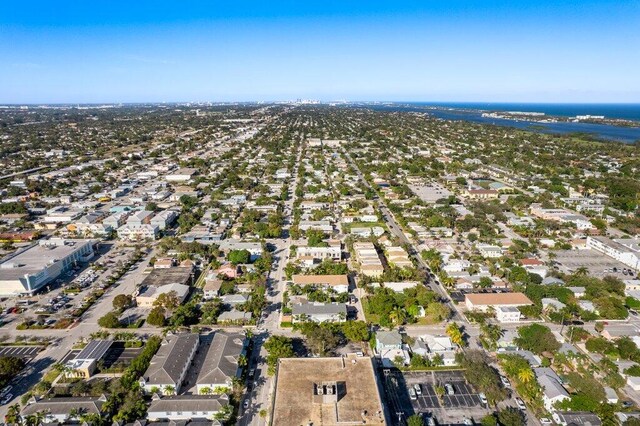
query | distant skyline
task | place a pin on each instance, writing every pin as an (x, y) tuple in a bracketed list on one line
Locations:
[(438, 51)]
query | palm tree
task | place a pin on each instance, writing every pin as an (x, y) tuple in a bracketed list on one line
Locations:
[(525, 375), (206, 391), (582, 271), (224, 412), (455, 333), (242, 360), (169, 390), (13, 414), (397, 315), (77, 413), (237, 387), (91, 418)]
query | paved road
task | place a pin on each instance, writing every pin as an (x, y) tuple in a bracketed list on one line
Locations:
[(262, 384), (397, 231)]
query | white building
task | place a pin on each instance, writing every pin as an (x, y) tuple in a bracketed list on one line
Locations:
[(29, 269), (508, 314), (163, 219), (626, 251), (181, 175), (138, 232), (489, 251)]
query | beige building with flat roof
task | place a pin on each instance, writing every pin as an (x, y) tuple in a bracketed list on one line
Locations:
[(327, 392)]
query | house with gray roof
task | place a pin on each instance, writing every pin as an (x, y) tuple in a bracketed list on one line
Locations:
[(552, 281), (549, 303), (389, 348), (391, 339), (319, 312), (576, 418), (169, 365), (186, 407), (234, 299), (552, 389), (58, 410), (234, 317), (221, 363)]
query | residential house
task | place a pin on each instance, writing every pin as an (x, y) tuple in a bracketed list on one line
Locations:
[(506, 314), (61, 410), (399, 287), (389, 348), (576, 418), (222, 362), (319, 312), (489, 251), (138, 232), (337, 283), (484, 301), (178, 409), (552, 389), (169, 366)]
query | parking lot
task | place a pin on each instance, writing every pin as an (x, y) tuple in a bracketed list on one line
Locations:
[(25, 352), (464, 403), (118, 354), (597, 263)]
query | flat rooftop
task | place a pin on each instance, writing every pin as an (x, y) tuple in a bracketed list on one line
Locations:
[(35, 258), (358, 401), (164, 276)]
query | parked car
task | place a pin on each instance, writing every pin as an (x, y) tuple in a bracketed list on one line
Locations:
[(418, 389), (412, 394), (505, 382), (483, 398), (5, 391), (6, 399), (449, 389), (520, 404)]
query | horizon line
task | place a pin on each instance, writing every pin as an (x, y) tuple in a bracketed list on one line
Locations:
[(308, 101)]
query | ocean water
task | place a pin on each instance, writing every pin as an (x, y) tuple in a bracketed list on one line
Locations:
[(472, 112), (623, 111)]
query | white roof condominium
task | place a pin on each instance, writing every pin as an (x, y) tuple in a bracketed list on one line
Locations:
[(31, 268)]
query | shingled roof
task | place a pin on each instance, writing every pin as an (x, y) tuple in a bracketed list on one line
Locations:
[(221, 362), (169, 362)]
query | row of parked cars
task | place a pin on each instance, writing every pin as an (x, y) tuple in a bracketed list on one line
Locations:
[(6, 395)]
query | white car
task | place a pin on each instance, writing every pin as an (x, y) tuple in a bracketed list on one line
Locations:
[(412, 394), (6, 390), (418, 389), (520, 404), (483, 398), (449, 389), (6, 399), (505, 382)]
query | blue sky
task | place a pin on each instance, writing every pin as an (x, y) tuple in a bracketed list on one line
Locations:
[(189, 50)]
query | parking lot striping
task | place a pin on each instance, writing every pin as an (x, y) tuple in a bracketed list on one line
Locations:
[(20, 351)]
